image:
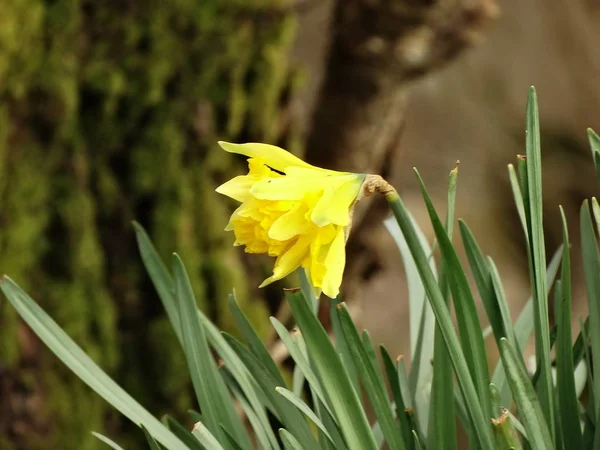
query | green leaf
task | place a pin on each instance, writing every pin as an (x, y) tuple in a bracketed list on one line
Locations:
[(421, 318), (301, 361), (82, 365), (466, 311), (212, 395), (481, 426), (160, 277), (183, 433), (530, 411), (108, 441), (591, 269), (151, 442), (506, 435), (342, 346), (165, 287), (335, 379), (518, 198), (304, 409), (565, 381), (289, 441), (287, 414), (441, 432), (594, 140), (209, 442), (538, 256), (392, 378), (489, 286), (255, 345), (372, 380)]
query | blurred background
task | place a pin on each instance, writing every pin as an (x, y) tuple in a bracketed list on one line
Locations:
[(110, 111)]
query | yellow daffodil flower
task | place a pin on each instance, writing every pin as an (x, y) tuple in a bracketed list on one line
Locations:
[(293, 211)]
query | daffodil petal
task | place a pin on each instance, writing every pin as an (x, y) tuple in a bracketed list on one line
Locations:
[(334, 204), (290, 224), (335, 262), (289, 261), (275, 157), (284, 188), (237, 188)]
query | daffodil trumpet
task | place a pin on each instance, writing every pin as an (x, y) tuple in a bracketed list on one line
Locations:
[(293, 211)]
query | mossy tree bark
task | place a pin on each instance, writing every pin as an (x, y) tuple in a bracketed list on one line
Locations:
[(109, 112)]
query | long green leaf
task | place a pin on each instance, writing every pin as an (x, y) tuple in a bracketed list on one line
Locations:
[(108, 441), (484, 282), (256, 346), (591, 269), (301, 361), (466, 311), (538, 434), (421, 318), (289, 441), (82, 365), (392, 377), (565, 380), (214, 399), (160, 277), (538, 257), (594, 140), (165, 288), (206, 437), (372, 380), (151, 441), (182, 433), (441, 432), (481, 426), (335, 379), (303, 408), (289, 416)]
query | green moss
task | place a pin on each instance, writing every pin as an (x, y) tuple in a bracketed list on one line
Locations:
[(109, 113)]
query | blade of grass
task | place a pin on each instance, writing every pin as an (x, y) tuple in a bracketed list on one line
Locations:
[(421, 318), (518, 198), (538, 434), (466, 311), (372, 380), (206, 438), (304, 409), (160, 277), (108, 441), (163, 283), (212, 395), (506, 436), (565, 382), (82, 365), (151, 442), (289, 416), (335, 379), (481, 426), (538, 257), (289, 441), (342, 346), (594, 140), (591, 270), (392, 377), (301, 362), (255, 345), (441, 432), (182, 433), (485, 284)]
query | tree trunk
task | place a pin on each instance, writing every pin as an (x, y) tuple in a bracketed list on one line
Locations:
[(110, 112), (379, 49)]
